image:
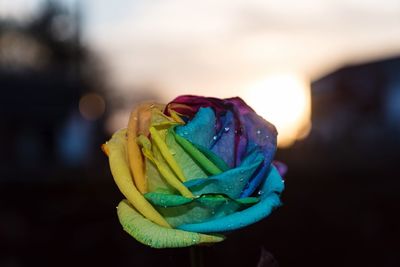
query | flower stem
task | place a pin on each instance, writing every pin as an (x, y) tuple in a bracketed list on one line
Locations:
[(196, 256)]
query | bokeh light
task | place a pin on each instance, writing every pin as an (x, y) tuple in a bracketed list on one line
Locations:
[(285, 100), (92, 106)]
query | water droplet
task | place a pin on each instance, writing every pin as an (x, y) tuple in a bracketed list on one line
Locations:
[(152, 106), (258, 131), (215, 137), (260, 192), (226, 129), (241, 179)]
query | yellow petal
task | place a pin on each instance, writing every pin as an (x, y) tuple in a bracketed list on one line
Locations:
[(162, 146), (175, 115), (162, 167), (139, 123), (122, 176)]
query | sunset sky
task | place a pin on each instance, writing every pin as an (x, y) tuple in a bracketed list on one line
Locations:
[(224, 48)]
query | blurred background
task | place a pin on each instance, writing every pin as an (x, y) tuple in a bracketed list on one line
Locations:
[(326, 73)]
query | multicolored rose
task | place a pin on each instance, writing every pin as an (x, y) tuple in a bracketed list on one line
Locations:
[(194, 169)]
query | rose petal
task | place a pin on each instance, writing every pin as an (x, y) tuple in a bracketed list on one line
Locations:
[(281, 167), (269, 193), (224, 145), (232, 182), (200, 158), (156, 236), (190, 168), (249, 128), (122, 176), (201, 129), (155, 156), (179, 210), (172, 200), (219, 162)]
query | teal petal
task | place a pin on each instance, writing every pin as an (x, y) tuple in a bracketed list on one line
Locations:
[(231, 182), (179, 210), (204, 123), (270, 193)]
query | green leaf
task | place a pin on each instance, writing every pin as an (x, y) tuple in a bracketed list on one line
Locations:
[(153, 235)]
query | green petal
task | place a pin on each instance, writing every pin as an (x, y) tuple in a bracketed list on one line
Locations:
[(155, 181), (179, 210), (190, 168), (156, 236), (200, 158), (166, 153), (214, 158), (166, 200)]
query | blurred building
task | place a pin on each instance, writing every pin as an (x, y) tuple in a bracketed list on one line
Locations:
[(358, 105)]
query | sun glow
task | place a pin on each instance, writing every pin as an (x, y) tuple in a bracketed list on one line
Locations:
[(284, 100)]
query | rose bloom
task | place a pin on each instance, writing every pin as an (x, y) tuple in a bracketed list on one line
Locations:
[(194, 169)]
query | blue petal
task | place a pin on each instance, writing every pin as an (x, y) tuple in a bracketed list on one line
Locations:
[(201, 129), (262, 134), (231, 182), (224, 146), (269, 192)]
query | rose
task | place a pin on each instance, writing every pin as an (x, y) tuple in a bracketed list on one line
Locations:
[(193, 169)]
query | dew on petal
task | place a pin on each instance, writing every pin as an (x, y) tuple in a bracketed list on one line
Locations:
[(226, 129)]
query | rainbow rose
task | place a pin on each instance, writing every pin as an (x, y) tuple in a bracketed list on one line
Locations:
[(193, 169)]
